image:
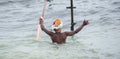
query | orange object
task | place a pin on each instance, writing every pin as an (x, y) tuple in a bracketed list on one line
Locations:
[(57, 21)]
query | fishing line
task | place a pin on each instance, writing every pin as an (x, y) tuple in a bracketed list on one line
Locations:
[(84, 11)]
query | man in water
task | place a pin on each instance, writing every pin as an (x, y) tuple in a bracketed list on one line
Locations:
[(58, 36)]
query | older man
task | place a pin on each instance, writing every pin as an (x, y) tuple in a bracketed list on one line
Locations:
[(58, 36)]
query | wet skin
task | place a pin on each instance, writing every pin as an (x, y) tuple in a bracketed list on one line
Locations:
[(60, 37)]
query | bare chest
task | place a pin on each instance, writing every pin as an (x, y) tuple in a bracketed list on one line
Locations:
[(59, 37)]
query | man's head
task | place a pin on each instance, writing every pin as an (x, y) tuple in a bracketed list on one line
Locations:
[(57, 25)]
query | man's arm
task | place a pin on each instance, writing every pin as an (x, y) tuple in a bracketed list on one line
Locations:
[(41, 20), (85, 22)]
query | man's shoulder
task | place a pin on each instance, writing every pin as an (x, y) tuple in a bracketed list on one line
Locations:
[(64, 32), (69, 33)]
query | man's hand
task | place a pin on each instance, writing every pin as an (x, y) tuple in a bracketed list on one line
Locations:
[(41, 20), (85, 22)]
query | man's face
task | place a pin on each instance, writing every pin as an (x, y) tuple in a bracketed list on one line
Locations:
[(56, 25), (57, 30)]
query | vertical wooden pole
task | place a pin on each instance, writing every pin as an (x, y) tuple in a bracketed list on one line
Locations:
[(72, 17)]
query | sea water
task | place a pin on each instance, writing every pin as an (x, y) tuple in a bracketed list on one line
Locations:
[(98, 40)]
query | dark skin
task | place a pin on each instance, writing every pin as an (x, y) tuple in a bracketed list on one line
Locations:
[(60, 37)]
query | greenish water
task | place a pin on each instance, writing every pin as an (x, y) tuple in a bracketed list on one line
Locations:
[(98, 40)]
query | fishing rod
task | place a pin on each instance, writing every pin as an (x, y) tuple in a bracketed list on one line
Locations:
[(39, 30), (43, 12)]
